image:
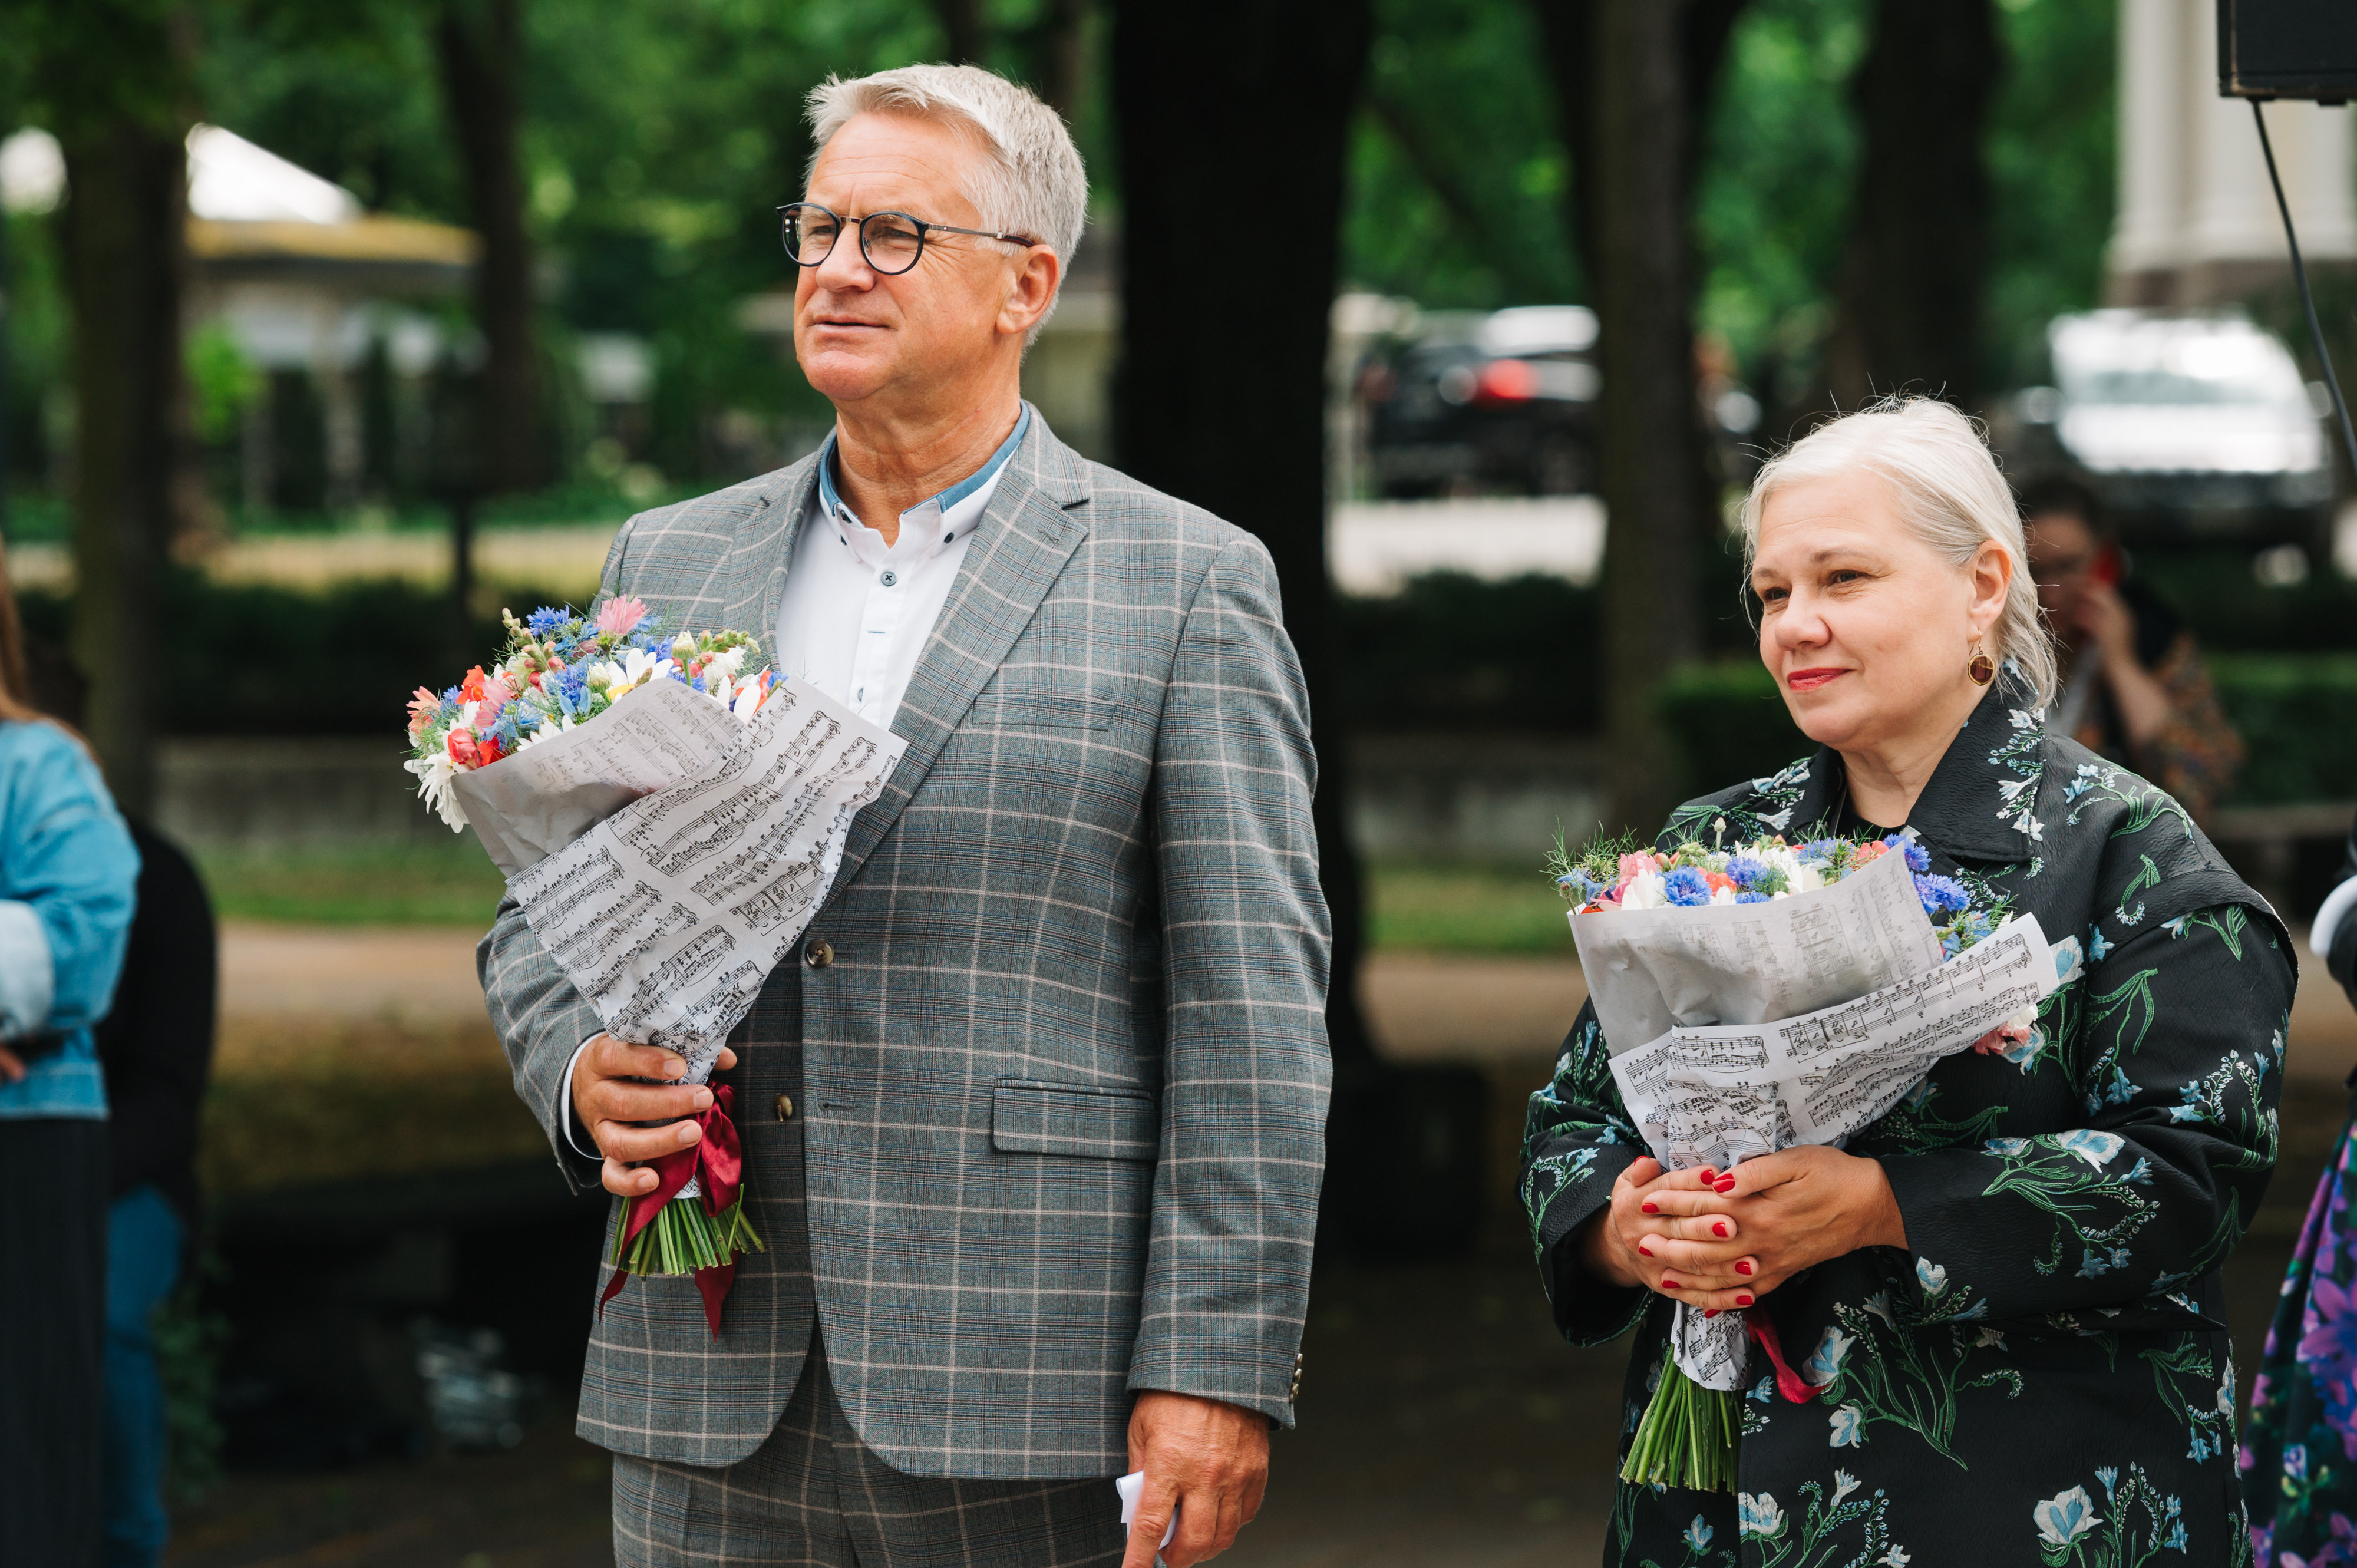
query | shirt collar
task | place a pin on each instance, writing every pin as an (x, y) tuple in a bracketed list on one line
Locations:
[(1980, 802), (941, 520)]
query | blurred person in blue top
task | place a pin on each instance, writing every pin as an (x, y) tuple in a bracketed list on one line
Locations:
[(156, 1048), (67, 876)]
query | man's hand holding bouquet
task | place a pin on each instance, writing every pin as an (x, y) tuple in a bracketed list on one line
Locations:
[(669, 816)]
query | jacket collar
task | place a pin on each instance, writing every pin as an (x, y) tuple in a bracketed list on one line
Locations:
[(1980, 802)]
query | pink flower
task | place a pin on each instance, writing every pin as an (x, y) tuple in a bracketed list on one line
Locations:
[(462, 747), (497, 694), (422, 706), (1636, 866), (619, 615)]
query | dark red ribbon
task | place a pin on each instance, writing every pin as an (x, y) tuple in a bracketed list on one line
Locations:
[(717, 1165), (1789, 1383)]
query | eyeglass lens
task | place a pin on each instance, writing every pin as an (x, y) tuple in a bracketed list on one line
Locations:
[(890, 241)]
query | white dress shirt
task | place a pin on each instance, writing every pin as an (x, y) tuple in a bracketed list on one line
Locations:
[(856, 613)]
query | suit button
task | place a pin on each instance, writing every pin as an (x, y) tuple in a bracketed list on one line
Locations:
[(819, 954), (784, 1106)]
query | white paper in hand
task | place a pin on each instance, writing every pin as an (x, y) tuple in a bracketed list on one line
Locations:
[(1131, 1488)]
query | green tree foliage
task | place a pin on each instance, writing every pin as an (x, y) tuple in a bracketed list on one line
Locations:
[(1457, 173)]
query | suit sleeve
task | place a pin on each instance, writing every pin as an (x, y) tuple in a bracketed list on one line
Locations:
[(1244, 954), (541, 1019)]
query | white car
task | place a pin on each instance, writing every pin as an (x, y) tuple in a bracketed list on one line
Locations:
[(2189, 426)]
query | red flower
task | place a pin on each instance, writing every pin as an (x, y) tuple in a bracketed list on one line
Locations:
[(470, 690), (463, 749), (489, 750)]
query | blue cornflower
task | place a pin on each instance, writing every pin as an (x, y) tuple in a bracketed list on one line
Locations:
[(1686, 887), (1745, 871), (545, 620), (1919, 859), (571, 689), (451, 696), (1746, 896), (1941, 895)]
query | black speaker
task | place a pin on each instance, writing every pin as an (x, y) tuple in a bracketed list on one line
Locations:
[(2288, 48)]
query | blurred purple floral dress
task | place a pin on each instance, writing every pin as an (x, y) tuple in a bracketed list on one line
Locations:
[(2299, 1451)]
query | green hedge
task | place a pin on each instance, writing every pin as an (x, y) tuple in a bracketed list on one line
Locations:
[(2298, 713), (254, 659)]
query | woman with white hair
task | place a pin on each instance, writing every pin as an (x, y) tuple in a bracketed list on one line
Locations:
[(2003, 1298)]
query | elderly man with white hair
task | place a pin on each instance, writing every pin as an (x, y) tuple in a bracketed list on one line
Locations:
[(1033, 1122)]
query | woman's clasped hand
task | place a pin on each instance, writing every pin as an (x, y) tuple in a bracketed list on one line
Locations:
[(1721, 1240)]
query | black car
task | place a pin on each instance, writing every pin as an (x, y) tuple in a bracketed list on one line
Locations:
[(1500, 400)]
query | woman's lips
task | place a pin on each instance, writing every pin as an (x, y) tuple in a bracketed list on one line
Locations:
[(1810, 680)]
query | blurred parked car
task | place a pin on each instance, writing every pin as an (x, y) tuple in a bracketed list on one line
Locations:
[(2192, 429), (1487, 400)]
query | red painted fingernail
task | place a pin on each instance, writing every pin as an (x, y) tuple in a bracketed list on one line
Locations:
[(1652, 1207), (1744, 1300), (1743, 1267), (1725, 1186), (1719, 1230), (1644, 1251), (1710, 1311), (1669, 1284), (1709, 1171)]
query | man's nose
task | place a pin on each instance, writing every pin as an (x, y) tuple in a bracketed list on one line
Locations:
[(845, 266)]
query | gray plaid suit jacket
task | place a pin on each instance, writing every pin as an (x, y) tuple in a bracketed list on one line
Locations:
[(1060, 1098)]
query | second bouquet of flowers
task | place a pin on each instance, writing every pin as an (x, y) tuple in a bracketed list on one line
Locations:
[(1762, 994), (670, 815)]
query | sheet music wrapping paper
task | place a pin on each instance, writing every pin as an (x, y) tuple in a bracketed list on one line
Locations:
[(1713, 1087), (669, 915), (534, 803)]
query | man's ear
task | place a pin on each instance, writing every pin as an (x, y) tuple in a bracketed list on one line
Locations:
[(1031, 292)]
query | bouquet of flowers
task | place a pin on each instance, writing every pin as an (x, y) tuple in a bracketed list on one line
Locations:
[(559, 675), (1615, 874), (559, 671), (1758, 995)]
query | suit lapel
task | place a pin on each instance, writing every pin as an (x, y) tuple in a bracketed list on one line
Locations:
[(1036, 519), (764, 551)]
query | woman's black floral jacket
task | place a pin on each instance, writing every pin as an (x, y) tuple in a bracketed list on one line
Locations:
[(2042, 1375)]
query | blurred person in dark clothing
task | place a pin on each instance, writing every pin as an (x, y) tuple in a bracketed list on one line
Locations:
[(2303, 1425), (155, 1049), (2134, 686), (67, 871)]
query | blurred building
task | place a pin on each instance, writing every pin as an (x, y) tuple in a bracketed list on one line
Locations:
[(2197, 224), (319, 297)]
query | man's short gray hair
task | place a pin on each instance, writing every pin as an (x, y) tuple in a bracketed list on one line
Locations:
[(1029, 180), (1949, 494)]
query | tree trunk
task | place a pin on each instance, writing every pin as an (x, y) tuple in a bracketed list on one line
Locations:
[(1224, 404), (1909, 311), (126, 225), (1633, 80), (1061, 53), (961, 22), (482, 47)]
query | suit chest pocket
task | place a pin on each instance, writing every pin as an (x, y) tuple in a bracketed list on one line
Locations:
[(1031, 1117)]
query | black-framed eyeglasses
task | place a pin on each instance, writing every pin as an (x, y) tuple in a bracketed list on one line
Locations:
[(890, 241)]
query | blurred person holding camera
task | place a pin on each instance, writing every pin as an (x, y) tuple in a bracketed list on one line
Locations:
[(2134, 686), (2299, 1447), (67, 870), (156, 1048)]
